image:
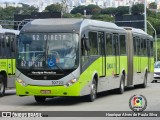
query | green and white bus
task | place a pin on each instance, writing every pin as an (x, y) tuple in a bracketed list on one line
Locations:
[(7, 58), (80, 57)]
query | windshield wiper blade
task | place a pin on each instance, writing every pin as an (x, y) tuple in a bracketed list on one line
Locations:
[(59, 67)]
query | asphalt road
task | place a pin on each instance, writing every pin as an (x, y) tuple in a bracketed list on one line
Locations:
[(107, 101)]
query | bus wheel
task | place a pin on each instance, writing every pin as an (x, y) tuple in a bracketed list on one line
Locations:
[(93, 92), (40, 99), (144, 85), (2, 86), (121, 86)]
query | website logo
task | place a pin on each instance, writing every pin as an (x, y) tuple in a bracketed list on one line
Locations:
[(138, 103)]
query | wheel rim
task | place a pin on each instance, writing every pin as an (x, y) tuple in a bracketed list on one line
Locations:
[(122, 86), (1, 86), (93, 91), (145, 81)]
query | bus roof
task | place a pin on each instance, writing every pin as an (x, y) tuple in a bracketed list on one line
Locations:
[(2, 30), (65, 25), (137, 31)]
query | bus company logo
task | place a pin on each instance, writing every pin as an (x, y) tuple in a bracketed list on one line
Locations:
[(138, 103)]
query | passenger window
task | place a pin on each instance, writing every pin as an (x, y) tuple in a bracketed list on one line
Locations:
[(93, 43), (109, 44), (122, 45)]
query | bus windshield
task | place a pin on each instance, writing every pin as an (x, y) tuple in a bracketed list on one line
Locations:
[(48, 50)]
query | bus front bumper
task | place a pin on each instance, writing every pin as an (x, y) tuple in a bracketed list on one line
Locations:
[(29, 90)]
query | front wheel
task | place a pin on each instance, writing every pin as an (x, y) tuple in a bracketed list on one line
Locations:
[(2, 86), (40, 99), (93, 91)]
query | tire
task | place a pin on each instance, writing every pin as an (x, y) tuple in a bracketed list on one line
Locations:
[(144, 85), (40, 99), (93, 91), (2, 86), (120, 90)]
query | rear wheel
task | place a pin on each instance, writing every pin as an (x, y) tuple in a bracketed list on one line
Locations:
[(93, 91), (144, 85), (121, 87), (2, 86), (40, 99)]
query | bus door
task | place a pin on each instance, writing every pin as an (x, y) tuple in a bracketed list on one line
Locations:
[(101, 42), (116, 49), (138, 43), (10, 52)]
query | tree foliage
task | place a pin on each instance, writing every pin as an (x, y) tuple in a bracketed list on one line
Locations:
[(121, 10), (102, 17), (54, 8), (153, 5), (8, 13), (79, 9), (111, 11), (90, 9), (137, 9)]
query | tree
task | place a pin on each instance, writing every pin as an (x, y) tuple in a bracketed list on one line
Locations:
[(8, 13), (101, 17), (137, 9), (121, 10), (90, 9), (79, 9), (153, 5), (111, 11), (54, 8)]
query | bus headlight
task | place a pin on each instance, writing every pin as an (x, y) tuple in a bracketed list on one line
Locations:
[(21, 82), (69, 83)]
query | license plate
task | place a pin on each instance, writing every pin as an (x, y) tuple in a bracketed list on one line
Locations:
[(57, 82), (45, 91)]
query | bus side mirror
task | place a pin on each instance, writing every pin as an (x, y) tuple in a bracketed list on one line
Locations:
[(85, 44)]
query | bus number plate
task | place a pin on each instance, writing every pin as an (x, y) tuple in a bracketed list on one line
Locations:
[(45, 91), (57, 82)]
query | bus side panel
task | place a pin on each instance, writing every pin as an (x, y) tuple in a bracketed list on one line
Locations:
[(88, 74), (138, 77), (3, 65)]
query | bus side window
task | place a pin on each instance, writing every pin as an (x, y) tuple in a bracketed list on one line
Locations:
[(93, 43), (13, 46), (109, 44), (135, 44), (148, 47), (1, 37), (3, 47), (138, 46), (151, 48), (145, 47), (7, 48), (122, 45)]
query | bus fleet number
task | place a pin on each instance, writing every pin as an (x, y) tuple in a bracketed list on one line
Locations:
[(57, 82)]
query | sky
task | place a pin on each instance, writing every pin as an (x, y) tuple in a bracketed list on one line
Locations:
[(17, 0), (10, 0)]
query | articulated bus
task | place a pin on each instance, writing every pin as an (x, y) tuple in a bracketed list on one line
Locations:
[(7, 59), (81, 57)]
